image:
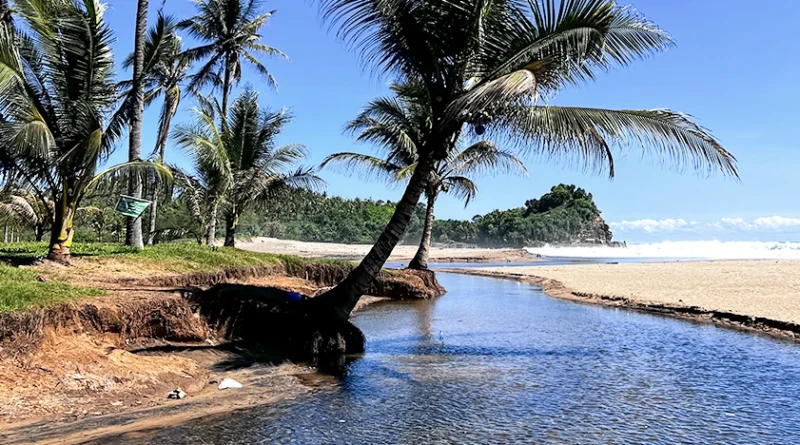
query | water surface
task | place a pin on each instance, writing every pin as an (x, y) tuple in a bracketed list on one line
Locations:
[(497, 361)]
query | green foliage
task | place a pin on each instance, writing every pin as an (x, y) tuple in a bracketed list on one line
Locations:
[(21, 289), (564, 215), (308, 216), (180, 257)]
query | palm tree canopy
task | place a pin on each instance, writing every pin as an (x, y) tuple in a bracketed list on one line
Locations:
[(489, 64), (398, 126), (238, 161), (56, 87), (231, 32)]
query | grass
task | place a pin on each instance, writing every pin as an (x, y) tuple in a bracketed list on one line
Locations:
[(178, 257), (21, 289)]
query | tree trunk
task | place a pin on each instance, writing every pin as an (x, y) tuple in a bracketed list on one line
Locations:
[(226, 89), (5, 233), (231, 224), (420, 261), (39, 232), (133, 236), (62, 233), (211, 230), (151, 232), (341, 300)]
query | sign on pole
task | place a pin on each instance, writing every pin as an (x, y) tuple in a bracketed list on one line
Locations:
[(130, 206)]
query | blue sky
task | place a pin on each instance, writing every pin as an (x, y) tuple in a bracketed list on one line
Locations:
[(735, 69)]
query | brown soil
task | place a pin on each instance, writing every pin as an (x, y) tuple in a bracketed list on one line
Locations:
[(76, 364), (554, 288)]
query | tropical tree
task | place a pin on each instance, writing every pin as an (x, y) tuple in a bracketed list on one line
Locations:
[(56, 90), (238, 163), (490, 66), (165, 72), (133, 237), (23, 207), (378, 124), (231, 34)]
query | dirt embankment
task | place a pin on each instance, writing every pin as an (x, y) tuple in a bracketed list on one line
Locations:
[(91, 358), (554, 288)]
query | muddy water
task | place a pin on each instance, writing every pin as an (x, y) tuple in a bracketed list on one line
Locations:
[(497, 361)]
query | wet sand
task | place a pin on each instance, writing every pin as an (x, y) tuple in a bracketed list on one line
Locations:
[(768, 290), (402, 253)]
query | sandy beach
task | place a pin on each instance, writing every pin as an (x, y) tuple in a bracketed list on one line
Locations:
[(402, 253), (760, 289)]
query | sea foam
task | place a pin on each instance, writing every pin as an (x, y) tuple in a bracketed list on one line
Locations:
[(728, 250)]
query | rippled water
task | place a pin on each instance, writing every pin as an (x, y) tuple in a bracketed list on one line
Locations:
[(496, 361)]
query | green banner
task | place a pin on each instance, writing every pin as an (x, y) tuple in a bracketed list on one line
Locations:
[(130, 206)]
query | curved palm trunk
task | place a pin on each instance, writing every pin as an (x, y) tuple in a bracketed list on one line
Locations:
[(420, 261), (231, 224), (134, 225), (341, 300)]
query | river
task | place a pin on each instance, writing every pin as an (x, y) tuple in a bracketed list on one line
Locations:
[(497, 361)]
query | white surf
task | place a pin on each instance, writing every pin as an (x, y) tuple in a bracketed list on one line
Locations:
[(727, 250)]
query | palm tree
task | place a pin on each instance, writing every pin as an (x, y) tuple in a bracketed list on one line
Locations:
[(23, 207), (57, 88), (397, 125), (490, 66), (231, 32), (165, 71), (133, 236), (238, 163)]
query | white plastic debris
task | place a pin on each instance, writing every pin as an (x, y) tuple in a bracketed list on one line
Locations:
[(176, 394), (229, 383)]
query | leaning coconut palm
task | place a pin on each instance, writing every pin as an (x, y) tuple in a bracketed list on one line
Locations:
[(238, 163), (490, 65), (451, 175), (56, 89), (165, 72), (24, 208), (230, 30)]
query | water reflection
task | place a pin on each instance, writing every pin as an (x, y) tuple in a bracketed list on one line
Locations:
[(497, 362)]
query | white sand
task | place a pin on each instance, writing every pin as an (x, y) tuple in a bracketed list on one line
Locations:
[(401, 253), (766, 288)]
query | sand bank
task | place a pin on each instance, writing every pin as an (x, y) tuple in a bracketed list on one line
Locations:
[(402, 253), (760, 295)]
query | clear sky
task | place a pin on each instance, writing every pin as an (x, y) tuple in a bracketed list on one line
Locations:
[(735, 69)]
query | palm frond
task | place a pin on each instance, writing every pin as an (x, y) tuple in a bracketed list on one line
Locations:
[(587, 136), (120, 174), (367, 166), (482, 158), (461, 187)]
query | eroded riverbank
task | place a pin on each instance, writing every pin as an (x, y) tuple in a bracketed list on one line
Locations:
[(498, 361)]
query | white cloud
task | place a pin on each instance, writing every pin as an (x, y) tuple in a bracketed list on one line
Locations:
[(650, 225), (762, 224)]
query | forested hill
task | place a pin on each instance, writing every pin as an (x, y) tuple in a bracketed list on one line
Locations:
[(565, 215)]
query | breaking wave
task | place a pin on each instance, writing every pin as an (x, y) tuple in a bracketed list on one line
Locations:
[(727, 250)]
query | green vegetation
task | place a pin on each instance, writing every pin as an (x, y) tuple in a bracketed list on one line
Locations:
[(171, 257), (565, 215), (397, 125), (21, 289), (238, 164), (307, 216)]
